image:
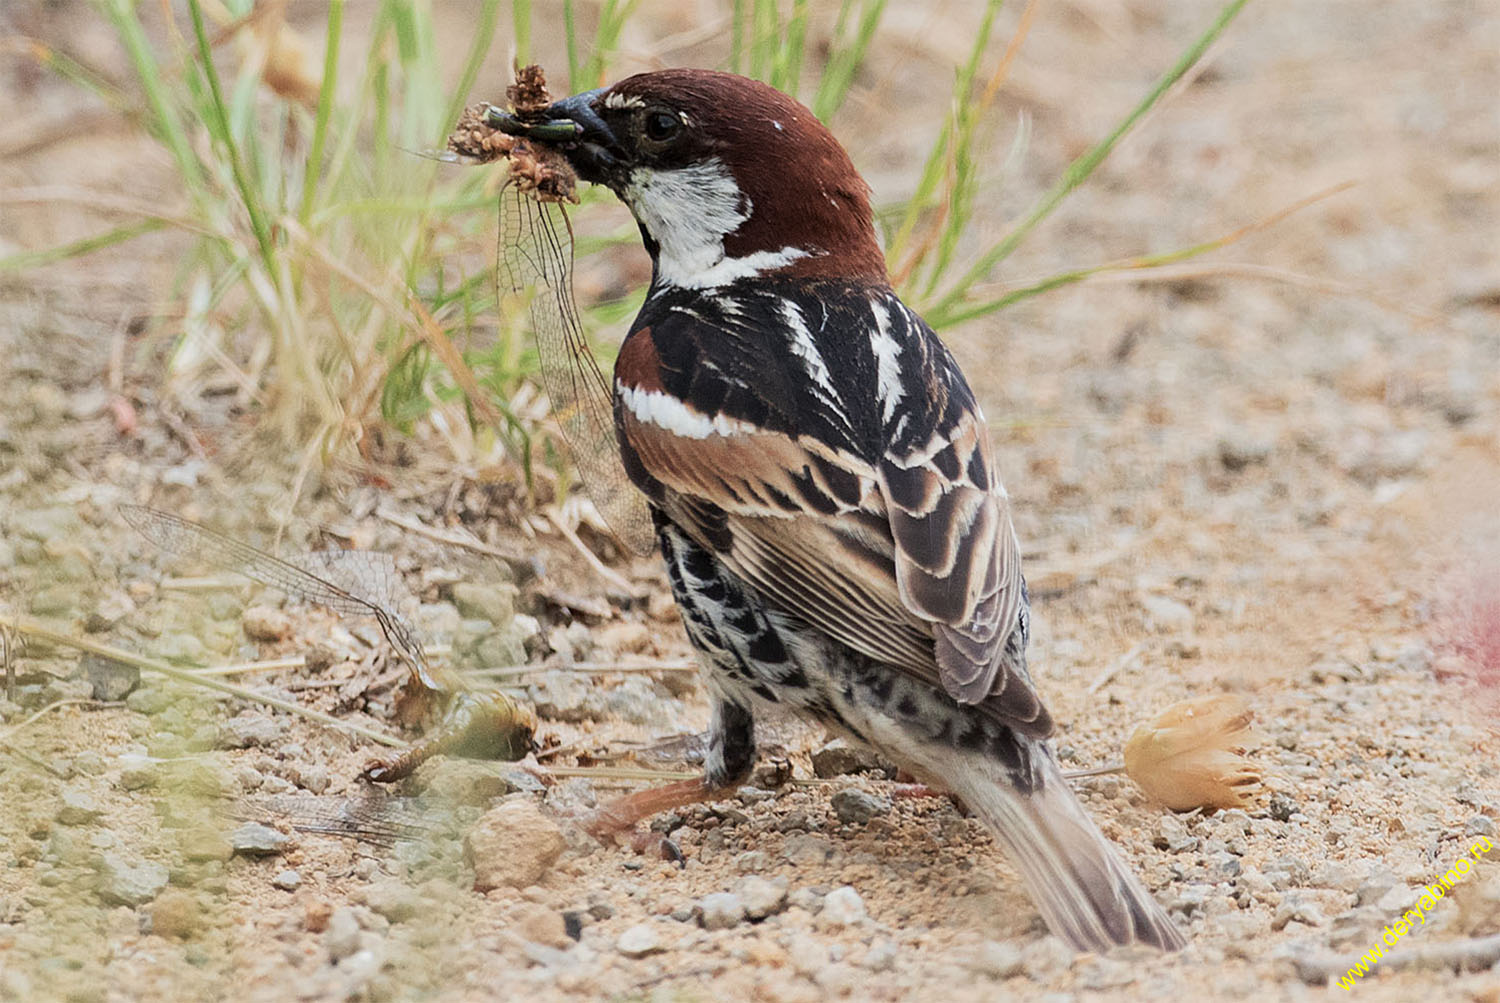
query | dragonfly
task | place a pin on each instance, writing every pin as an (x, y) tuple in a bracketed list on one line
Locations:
[(534, 269), (483, 725), (534, 264)]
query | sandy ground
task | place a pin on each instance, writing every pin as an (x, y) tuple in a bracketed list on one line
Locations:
[(1272, 473)]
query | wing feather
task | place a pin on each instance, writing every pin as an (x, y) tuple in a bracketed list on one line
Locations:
[(907, 556)]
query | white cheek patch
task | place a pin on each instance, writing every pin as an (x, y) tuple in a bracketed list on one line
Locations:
[(688, 211)]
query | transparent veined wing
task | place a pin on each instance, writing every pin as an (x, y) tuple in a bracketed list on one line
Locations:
[(535, 261), (346, 581)]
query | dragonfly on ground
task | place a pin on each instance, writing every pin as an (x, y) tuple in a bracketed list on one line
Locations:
[(475, 724)]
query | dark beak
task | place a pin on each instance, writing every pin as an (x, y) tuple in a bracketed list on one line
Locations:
[(573, 128)]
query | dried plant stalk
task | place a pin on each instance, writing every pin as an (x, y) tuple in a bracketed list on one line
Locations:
[(1191, 755)]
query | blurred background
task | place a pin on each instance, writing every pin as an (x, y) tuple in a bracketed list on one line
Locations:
[(1225, 278)]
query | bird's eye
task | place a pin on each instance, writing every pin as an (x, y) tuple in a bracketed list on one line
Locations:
[(662, 127)]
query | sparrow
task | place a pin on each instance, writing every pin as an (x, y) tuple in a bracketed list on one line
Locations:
[(821, 481)]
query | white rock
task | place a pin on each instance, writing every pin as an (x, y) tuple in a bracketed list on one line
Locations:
[(843, 907), (639, 941)]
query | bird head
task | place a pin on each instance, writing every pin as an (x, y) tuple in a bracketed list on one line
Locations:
[(728, 178)]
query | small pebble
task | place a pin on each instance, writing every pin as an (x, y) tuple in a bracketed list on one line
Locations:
[(78, 808), (248, 730), (256, 840), (111, 681), (287, 880), (857, 807), (129, 882), (175, 913), (1479, 825), (721, 911), (996, 959), (494, 604), (512, 845), (843, 907), (342, 938), (639, 941), (265, 623), (395, 900), (839, 758), (762, 897)]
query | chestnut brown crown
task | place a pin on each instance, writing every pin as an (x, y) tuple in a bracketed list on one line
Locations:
[(702, 155)]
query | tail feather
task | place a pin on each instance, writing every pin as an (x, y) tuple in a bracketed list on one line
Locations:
[(1083, 889)]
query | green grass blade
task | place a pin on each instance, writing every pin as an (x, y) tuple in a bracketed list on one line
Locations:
[(520, 26), (78, 248), (570, 36), (479, 48), (312, 172), (845, 61), (164, 117), (218, 123), (1080, 169)]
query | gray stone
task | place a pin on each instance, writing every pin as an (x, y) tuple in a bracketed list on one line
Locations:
[(856, 807), (1238, 451), (1376, 887), (182, 648), (265, 623), (1479, 825), (462, 781), (806, 899), (1293, 908), (639, 941), (495, 604), (203, 842), (512, 845), (111, 681), (843, 907), (839, 758), (66, 689), (881, 957), (129, 882), (561, 696), (150, 700), (1167, 616), (721, 911), (1174, 835), (996, 959), (287, 880), (1282, 808), (395, 900), (138, 772), (311, 777), (54, 601), (256, 840), (78, 808), (342, 938), (762, 897), (251, 730), (806, 848), (43, 524), (636, 700)]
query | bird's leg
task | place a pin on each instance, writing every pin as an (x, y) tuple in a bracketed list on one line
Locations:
[(731, 754)]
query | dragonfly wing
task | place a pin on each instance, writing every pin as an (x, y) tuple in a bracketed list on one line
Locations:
[(536, 258)]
